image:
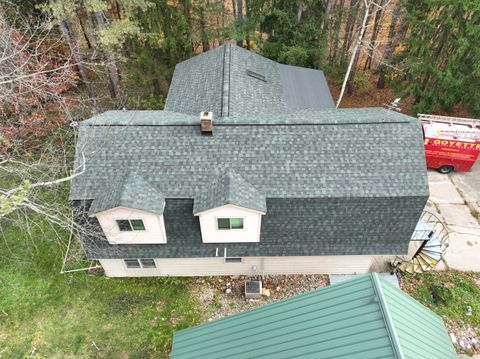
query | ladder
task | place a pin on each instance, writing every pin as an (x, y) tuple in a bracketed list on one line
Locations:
[(450, 120)]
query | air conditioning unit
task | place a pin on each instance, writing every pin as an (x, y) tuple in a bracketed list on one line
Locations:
[(253, 289)]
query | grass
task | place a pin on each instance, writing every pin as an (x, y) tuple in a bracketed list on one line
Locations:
[(448, 293), (53, 315)]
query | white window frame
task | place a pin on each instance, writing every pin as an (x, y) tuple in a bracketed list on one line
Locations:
[(231, 229), (234, 262), (139, 261), (130, 223)]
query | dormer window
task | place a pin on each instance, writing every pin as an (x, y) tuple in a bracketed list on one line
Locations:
[(229, 223), (128, 225)]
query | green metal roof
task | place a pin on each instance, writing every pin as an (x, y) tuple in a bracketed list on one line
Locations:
[(365, 317)]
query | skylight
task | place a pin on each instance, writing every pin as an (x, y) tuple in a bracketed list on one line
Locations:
[(256, 75)]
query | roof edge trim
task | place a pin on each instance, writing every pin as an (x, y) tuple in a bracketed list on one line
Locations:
[(387, 317)]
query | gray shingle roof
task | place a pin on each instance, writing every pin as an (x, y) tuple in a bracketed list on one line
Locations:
[(229, 188), (217, 81), (131, 191), (321, 153)]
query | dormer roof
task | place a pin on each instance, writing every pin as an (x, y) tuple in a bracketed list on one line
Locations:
[(131, 191), (229, 188)]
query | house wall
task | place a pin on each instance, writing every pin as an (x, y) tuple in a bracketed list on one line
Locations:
[(154, 226), (249, 233), (250, 266)]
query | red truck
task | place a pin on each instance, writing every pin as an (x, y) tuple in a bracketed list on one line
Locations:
[(451, 143)]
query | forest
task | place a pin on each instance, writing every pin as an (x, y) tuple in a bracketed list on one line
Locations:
[(63, 60)]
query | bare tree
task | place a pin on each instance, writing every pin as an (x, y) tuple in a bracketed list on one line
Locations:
[(355, 49)]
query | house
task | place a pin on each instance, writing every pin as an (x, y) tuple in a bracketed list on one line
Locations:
[(249, 170), (365, 317)]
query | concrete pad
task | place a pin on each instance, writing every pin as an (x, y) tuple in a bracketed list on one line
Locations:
[(339, 278), (442, 190), (469, 184), (463, 252), (448, 195), (458, 214)]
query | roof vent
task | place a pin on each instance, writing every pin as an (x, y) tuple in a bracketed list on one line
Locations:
[(253, 289), (256, 75), (206, 123)]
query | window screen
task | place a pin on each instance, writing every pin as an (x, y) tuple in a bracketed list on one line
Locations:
[(124, 225), (223, 223), (148, 263), (137, 224), (236, 223), (130, 225), (230, 223), (233, 260), (132, 263)]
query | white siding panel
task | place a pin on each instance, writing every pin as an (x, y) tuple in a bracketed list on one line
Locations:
[(249, 266), (154, 226), (249, 233)]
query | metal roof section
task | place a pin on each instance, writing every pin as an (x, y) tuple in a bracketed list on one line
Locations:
[(229, 188), (359, 318), (305, 88), (131, 191)]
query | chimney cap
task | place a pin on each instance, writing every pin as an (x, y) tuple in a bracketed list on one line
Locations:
[(206, 123)]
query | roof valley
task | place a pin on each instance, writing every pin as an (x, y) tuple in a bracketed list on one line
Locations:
[(226, 80)]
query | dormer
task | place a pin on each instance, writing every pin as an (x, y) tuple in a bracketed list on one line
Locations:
[(230, 210), (130, 211)]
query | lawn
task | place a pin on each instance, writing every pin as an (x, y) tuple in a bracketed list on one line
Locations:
[(448, 293), (46, 314)]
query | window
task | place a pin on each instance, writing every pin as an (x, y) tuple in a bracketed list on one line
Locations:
[(233, 260), (229, 223), (256, 75), (126, 225), (148, 263), (140, 263), (132, 263)]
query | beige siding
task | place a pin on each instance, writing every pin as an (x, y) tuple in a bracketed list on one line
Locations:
[(249, 266)]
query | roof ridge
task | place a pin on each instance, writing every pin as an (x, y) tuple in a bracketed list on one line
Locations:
[(226, 80), (387, 317)]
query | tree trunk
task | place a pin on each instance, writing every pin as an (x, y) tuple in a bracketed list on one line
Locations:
[(355, 50), (336, 31), (203, 30), (352, 18), (188, 16), (301, 8), (84, 31), (65, 28), (387, 55), (373, 38), (240, 19), (112, 69), (247, 13)]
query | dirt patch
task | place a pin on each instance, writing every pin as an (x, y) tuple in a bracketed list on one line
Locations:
[(222, 296)]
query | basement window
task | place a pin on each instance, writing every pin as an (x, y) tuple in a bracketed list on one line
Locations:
[(233, 260), (229, 223), (128, 225), (256, 75), (140, 263)]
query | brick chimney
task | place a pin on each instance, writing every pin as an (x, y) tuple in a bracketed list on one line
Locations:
[(206, 123)]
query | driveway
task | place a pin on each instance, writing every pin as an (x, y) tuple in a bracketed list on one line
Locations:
[(456, 199)]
